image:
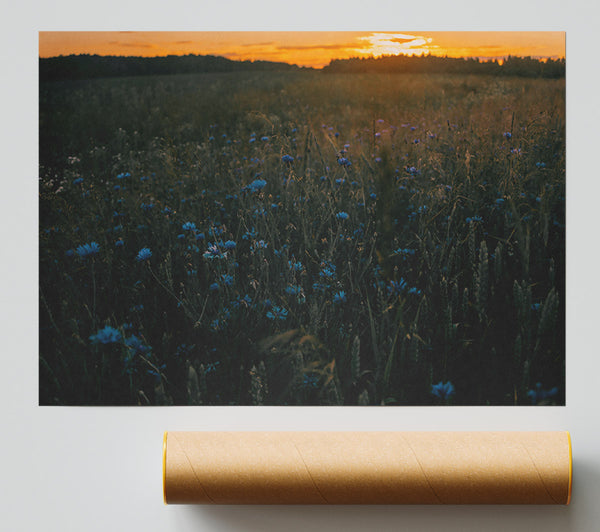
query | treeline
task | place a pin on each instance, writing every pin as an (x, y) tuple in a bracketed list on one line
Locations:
[(78, 67), (430, 64)]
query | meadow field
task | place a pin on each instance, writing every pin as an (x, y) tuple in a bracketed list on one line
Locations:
[(302, 238)]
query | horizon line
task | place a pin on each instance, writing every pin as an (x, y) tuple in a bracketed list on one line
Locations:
[(379, 56)]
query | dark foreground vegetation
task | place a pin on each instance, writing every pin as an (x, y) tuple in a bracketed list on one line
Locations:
[(300, 238)]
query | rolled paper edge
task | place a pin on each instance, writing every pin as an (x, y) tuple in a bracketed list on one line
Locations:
[(570, 468), (164, 467)]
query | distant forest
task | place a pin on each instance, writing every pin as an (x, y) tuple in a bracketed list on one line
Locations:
[(430, 64), (79, 67)]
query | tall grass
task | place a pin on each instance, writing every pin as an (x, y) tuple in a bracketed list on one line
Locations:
[(314, 240)]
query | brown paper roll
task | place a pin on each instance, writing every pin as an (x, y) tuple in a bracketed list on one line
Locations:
[(367, 467)]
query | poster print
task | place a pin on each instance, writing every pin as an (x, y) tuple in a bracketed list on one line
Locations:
[(302, 218)]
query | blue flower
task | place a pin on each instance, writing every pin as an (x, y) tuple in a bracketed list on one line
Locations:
[(261, 244), (442, 390), (108, 335), (474, 219), (212, 366), (404, 252), (136, 345), (215, 231), (319, 287), (339, 297), (396, 288), (147, 206), (295, 265), (87, 250), (277, 313), (343, 161), (293, 290), (119, 243), (78, 181), (342, 215), (184, 349), (537, 395), (214, 286), (143, 254), (255, 186), (507, 135), (230, 244), (214, 252), (189, 226), (327, 270), (287, 159), (226, 279)]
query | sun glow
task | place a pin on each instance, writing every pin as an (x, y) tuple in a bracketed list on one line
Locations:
[(313, 49), (378, 44)]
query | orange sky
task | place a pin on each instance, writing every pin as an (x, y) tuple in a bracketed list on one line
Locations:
[(304, 48)]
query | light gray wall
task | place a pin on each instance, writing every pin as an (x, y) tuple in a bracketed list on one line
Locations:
[(99, 469)]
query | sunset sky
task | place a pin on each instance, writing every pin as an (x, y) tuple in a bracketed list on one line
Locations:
[(305, 48)]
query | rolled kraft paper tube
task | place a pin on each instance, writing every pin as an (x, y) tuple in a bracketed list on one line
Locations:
[(367, 467)]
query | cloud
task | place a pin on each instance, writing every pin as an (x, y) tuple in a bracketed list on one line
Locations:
[(400, 40), (131, 45), (333, 46), (269, 43)]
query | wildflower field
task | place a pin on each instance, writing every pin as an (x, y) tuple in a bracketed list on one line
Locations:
[(302, 238)]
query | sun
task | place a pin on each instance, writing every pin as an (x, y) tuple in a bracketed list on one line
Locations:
[(378, 44)]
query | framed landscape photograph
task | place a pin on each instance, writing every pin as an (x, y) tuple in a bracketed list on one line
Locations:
[(302, 218)]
